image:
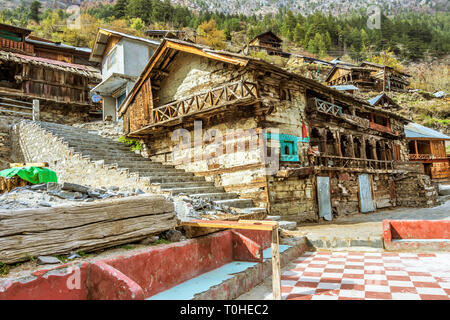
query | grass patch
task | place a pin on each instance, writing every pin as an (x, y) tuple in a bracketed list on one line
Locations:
[(161, 241), (132, 143), (4, 269), (126, 247)]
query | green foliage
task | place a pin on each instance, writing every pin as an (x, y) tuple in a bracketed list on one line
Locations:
[(409, 36), (4, 269), (34, 10), (161, 241), (134, 144)]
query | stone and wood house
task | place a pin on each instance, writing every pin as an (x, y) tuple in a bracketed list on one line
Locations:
[(292, 145), (368, 76), (57, 75), (267, 42)]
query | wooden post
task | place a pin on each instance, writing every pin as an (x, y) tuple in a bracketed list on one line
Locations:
[(36, 110), (276, 269)]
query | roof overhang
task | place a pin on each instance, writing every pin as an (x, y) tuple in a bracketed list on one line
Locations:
[(112, 83), (171, 44)]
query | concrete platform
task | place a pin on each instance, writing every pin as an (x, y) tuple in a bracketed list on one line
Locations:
[(363, 230)]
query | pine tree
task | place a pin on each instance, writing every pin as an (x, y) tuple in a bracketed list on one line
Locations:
[(120, 8), (34, 11)]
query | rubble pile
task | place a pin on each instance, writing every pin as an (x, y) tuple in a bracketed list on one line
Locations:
[(54, 194), (189, 207)]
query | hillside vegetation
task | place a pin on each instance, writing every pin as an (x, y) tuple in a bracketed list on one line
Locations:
[(416, 42)]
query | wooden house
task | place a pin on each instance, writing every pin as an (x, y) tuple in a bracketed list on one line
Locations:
[(268, 42), (368, 76), (428, 147), (290, 144), (51, 75)]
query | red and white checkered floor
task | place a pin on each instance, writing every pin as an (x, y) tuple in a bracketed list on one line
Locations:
[(367, 276)]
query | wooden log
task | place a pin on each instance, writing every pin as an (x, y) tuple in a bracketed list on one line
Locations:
[(28, 164), (86, 227), (276, 268)]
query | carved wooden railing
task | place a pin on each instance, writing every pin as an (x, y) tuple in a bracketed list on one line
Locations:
[(425, 157), (227, 94), (328, 107), (344, 162)]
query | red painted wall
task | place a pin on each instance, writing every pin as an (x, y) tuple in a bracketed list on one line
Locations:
[(163, 267), (416, 229)]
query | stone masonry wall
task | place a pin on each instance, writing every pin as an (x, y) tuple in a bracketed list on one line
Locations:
[(6, 141), (415, 190), (37, 145)]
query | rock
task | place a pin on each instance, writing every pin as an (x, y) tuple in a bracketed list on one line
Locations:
[(444, 190), (173, 235), (53, 187), (273, 218), (47, 260), (73, 256), (41, 186), (45, 204), (74, 187), (139, 191), (94, 194), (149, 240), (114, 188)]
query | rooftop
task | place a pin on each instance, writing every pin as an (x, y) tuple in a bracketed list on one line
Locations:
[(415, 130)]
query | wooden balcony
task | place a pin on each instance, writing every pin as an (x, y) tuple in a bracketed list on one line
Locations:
[(240, 92), (425, 157), (327, 107), (336, 162), (16, 46), (380, 127)]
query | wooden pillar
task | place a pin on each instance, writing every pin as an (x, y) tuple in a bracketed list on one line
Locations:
[(373, 146), (363, 148), (352, 146), (337, 143), (276, 268), (415, 144), (324, 142)]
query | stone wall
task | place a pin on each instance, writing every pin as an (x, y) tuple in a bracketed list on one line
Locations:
[(5, 141), (293, 199), (415, 190), (37, 145)]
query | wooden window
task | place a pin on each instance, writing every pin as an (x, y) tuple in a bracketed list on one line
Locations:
[(111, 59)]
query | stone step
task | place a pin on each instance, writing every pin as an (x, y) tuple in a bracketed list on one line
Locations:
[(162, 174), (273, 218), (142, 165), (177, 191), (167, 179), (185, 184), (100, 146), (216, 196), (287, 225), (235, 203)]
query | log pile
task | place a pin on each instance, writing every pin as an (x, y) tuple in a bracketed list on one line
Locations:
[(7, 184), (84, 227)]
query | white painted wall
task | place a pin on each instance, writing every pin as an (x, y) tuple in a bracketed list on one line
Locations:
[(136, 56), (118, 66)]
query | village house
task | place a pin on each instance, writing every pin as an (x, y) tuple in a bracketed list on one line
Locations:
[(336, 154), (57, 75), (186, 35), (428, 147), (368, 76), (267, 42), (122, 58)]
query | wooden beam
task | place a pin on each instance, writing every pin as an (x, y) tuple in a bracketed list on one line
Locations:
[(28, 164), (276, 268), (242, 224)]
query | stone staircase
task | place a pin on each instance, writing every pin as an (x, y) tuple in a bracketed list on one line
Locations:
[(162, 178)]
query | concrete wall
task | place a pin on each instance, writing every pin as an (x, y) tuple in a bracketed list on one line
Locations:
[(118, 66), (136, 55)]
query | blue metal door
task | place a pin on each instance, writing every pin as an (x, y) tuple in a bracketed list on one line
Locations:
[(365, 194), (323, 197)]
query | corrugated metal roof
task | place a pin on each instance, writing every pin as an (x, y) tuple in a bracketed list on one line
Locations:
[(415, 130), (58, 45), (345, 87), (374, 100), (129, 36)]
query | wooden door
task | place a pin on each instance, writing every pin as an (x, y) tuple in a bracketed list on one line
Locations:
[(324, 198), (365, 194)]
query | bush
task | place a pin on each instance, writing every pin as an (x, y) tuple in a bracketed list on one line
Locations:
[(134, 144)]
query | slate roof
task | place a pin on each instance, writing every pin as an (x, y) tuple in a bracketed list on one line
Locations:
[(415, 130)]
